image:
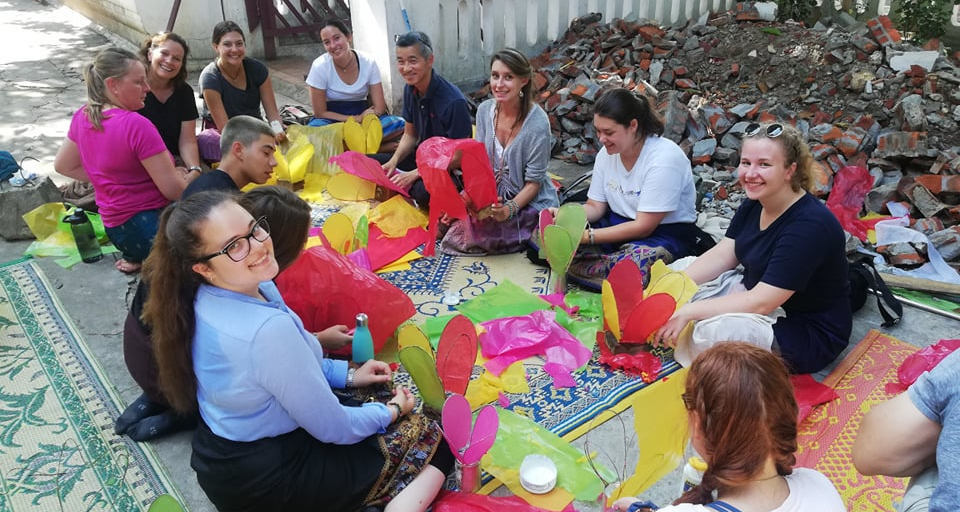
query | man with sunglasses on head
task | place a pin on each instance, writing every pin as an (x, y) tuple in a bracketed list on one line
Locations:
[(432, 107)]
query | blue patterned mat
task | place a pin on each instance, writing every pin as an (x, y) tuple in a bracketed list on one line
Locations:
[(567, 412), (58, 451)]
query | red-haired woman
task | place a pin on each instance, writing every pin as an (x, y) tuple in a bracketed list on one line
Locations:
[(743, 421)]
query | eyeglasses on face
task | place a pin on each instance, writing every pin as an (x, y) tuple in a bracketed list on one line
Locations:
[(239, 248), (409, 38), (687, 401), (772, 130)]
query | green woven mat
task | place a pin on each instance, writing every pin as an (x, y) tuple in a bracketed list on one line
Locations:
[(58, 451)]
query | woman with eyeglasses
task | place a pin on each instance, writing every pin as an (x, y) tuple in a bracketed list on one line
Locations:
[(516, 133), (792, 249), (641, 200), (346, 83), (273, 435), (743, 422)]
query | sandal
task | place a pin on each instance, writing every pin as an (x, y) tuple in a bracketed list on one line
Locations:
[(127, 267)]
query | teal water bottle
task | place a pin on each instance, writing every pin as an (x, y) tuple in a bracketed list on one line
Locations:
[(82, 229), (362, 341)]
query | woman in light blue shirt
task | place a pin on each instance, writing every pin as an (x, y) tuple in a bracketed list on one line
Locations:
[(273, 434)]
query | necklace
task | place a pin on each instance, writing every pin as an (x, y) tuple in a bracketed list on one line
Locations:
[(231, 76), (501, 170), (349, 64)]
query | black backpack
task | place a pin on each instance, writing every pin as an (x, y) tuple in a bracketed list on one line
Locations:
[(864, 280)]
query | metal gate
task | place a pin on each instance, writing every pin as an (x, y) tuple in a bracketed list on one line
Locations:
[(292, 17)]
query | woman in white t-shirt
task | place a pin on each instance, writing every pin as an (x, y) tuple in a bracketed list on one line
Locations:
[(345, 83), (641, 201), (743, 421)]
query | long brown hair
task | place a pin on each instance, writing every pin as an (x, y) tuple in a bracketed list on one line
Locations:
[(519, 65), (744, 401), (173, 286), (109, 63)]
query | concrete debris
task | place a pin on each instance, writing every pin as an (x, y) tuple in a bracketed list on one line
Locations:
[(859, 94)]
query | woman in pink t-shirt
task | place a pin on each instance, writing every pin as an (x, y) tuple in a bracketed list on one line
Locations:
[(121, 153)]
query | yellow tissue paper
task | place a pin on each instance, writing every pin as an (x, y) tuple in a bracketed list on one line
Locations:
[(338, 230), (347, 187), (396, 215), (662, 437), (373, 131)]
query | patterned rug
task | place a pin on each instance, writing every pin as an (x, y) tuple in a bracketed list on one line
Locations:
[(58, 451), (826, 437)]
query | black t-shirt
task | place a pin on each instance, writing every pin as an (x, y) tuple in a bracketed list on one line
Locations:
[(168, 116)]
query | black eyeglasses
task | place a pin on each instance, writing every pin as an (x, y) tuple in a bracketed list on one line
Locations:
[(773, 130), (408, 39), (687, 401), (239, 248)]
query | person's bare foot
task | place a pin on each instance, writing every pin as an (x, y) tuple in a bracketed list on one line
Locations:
[(127, 267)]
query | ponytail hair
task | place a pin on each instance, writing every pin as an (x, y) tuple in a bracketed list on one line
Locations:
[(109, 63), (743, 400), (173, 287)]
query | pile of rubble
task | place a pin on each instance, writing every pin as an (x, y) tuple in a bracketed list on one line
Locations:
[(862, 96)]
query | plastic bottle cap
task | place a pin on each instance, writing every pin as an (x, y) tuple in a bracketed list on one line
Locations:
[(698, 464)]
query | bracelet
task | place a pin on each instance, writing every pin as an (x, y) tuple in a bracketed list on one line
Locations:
[(399, 409), (350, 374), (195, 168), (513, 207), (590, 236)]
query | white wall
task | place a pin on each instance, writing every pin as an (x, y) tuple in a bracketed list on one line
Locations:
[(465, 33)]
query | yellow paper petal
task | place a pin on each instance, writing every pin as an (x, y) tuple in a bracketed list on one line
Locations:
[(396, 215), (514, 379), (394, 267), (313, 186), (298, 159), (347, 187), (339, 231), (353, 136), (373, 131), (676, 284), (662, 442), (411, 336), (401, 263), (282, 170), (610, 313)]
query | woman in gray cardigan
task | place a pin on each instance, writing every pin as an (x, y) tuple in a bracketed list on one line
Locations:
[(516, 133)]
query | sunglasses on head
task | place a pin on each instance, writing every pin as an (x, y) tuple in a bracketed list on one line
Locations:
[(772, 130), (410, 38)]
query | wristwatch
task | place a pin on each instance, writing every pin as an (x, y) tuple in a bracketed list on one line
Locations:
[(350, 374)]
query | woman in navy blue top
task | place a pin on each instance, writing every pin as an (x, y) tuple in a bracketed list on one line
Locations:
[(792, 250)]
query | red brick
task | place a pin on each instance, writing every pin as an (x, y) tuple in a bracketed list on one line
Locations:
[(851, 141), (651, 33), (685, 83), (834, 134), (938, 184), (882, 30)]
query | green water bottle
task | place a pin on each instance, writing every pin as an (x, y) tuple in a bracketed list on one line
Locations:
[(87, 244), (362, 348)]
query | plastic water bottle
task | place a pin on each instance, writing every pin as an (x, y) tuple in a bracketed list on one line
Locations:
[(693, 472), (87, 244), (362, 341)]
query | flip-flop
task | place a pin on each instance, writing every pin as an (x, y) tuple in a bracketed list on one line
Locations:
[(127, 267)]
